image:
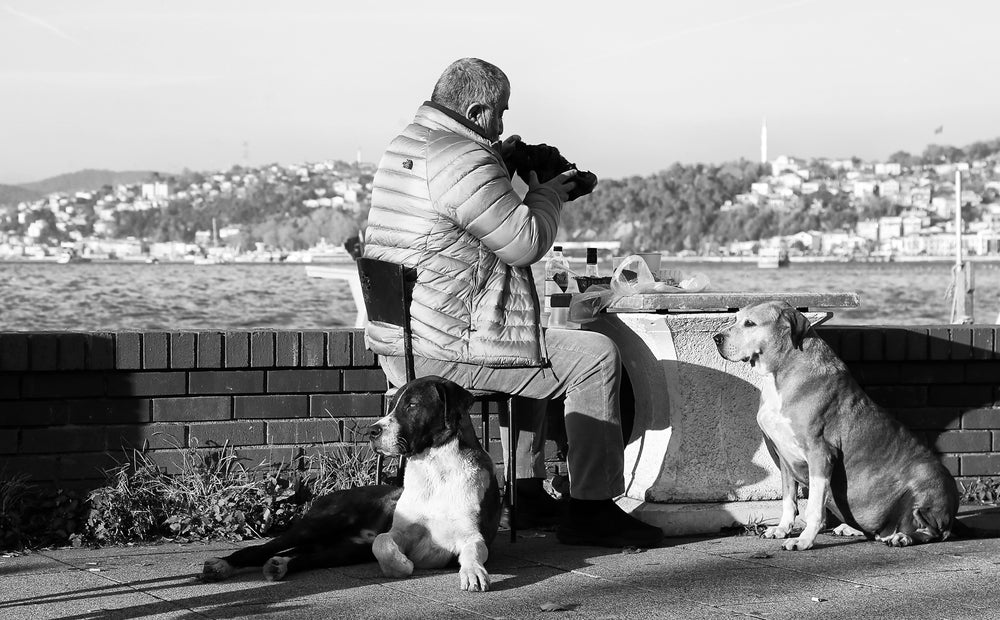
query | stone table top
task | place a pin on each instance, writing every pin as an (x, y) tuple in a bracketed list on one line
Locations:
[(716, 301)]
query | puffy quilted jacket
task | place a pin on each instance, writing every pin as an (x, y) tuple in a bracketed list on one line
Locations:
[(442, 202)]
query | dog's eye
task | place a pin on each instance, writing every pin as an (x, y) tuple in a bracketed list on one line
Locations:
[(748, 323)]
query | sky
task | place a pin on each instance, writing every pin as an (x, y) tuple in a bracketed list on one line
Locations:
[(622, 88)]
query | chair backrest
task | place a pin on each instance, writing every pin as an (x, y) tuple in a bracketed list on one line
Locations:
[(387, 289)]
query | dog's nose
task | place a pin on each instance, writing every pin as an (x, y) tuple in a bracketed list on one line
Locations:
[(718, 338), (374, 431)]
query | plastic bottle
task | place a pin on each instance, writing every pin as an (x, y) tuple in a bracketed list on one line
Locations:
[(591, 270), (556, 275)]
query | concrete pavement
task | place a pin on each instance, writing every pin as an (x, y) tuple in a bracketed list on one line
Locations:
[(689, 578)]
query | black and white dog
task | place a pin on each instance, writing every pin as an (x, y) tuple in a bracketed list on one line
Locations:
[(448, 508)]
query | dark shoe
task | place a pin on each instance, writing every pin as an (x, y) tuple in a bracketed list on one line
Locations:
[(535, 507), (604, 524)]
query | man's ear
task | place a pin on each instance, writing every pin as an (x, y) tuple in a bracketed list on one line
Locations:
[(475, 112), (798, 325)]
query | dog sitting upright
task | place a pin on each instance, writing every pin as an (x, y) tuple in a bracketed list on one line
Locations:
[(450, 506), (827, 434)]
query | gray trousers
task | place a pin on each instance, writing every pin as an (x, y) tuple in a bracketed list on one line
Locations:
[(585, 368)]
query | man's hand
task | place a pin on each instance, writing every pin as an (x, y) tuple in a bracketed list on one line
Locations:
[(507, 146), (561, 184)]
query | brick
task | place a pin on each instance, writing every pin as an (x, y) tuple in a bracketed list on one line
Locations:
[(931, 372), (108, 411), (850, 345), (960, 395), (286, 349), (346, 405), (14, 352), (100, 351), (963, 441), (263, 457), (917, 344), (271, 407), (980, 464), (895, 344), (128, 350), (146, 437), (34, 413), (43, 351), (983, 339), (356, 429), (952, 463), (63, 385), (41, 468), (209, 350), (72, 351), (961, 343), (227, 382), (305, 431), (155, 350), (362, 357), (983, 372), (939, 343), (226, 433), (363, 380), (303, 380), (338, 348), (147, 383), (996, 441), (8, 440), (237, 350), (872, 345), (63, 439), (10, 387), (875, 373), (262, 349), (985, 417), (85, 466), (183, 350), (313, 348), (899, 396), (193, 409), (929, 418), (168, 461)]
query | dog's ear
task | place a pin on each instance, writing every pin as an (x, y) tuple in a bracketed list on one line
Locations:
[(457, 401), (798, 325)]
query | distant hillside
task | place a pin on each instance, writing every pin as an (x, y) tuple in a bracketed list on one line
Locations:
[(13, 194), (86, 180)]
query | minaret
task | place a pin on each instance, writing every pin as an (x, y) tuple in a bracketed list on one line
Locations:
[(359, 155), (763, 141)]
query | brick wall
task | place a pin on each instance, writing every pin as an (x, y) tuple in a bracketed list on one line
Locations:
[(74, 404)]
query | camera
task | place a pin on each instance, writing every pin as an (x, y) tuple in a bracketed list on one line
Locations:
[(547, 162)]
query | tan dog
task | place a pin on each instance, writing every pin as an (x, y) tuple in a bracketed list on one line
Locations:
[(827, 434), (450, 505)]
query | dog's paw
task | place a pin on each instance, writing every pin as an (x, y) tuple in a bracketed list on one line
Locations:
[(798, 544), (474, 578), (776, 531), (898, 539), (846, 530), (276, 568), (216, 569)]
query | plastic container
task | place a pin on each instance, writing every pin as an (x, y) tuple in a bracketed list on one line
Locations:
[(556, 275)]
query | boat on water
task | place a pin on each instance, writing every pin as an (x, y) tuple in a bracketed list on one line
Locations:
[(71, 256), (772, 258)]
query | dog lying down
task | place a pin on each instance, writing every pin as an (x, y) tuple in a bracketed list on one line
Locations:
[(448, 508), (826, 434)]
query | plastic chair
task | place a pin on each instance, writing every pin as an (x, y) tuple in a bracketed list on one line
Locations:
[(387, 289)]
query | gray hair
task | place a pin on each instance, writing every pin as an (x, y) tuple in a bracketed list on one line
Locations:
[(467, 81)]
